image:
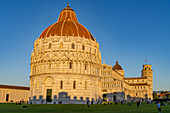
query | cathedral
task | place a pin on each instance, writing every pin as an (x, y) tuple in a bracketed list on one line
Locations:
[(66, 66)]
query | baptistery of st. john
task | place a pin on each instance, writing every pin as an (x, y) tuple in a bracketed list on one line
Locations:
[(66, 62), (66, 67)]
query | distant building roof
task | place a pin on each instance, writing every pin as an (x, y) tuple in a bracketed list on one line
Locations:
[(117, 66), (137, 84), (162, 94), (15, 87), (135, 78)]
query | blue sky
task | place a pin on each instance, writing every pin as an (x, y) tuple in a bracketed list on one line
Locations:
[(130, 31)]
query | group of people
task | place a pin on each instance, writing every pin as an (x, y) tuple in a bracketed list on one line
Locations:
[(88, 103), (122, 102), (158, 105)]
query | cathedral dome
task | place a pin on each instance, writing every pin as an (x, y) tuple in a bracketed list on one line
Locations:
[(67, 25), (117, 66)]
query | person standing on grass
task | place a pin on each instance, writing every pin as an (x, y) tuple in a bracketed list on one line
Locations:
[(92, 102), (138, 103), (159, 107), (88, 103)]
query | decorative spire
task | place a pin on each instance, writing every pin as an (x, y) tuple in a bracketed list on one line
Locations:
[(67, 4), (116, 61)]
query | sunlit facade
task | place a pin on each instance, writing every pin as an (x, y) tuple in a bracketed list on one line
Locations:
[(117, 87), (10, 93), (66, 66)]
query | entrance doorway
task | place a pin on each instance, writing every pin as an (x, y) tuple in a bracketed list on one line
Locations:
[(7, 97), (49, 95), (104, 97), (114, 97)]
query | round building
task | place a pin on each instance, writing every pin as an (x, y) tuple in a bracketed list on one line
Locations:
[(65, 63)]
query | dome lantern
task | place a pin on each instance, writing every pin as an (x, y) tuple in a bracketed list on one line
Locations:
[(66, 13)]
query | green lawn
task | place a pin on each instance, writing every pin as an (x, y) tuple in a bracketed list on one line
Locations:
[(144, 108)]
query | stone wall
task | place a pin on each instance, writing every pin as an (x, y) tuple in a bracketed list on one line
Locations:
[(13, 95), (58, 62)]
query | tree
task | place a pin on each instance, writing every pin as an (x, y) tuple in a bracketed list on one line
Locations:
[(164, 92), (155, 96), (169, 96)]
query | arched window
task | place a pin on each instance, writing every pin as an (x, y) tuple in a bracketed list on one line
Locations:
[(50, 45), (61, 84), (68, 19), (136, 94), (49, 66), (37, 85), (94, 50), (83, 47), (34, 68), (72, 46), (74, 85), (85, 66), (71, 65), (85, 86), (61, 45)]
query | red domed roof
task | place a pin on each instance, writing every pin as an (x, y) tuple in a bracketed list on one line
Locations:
[(67, 25), (117, 66)]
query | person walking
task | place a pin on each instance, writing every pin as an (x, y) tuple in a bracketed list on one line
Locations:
[(159, 107)]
